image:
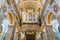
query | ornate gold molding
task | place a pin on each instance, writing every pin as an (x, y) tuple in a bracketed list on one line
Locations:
[(42, 28), (11, 18), (49, 18)]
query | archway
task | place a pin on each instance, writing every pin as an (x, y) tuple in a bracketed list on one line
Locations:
[(11, 18), (49, 18)]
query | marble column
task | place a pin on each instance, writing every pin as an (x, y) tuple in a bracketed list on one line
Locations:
[(50, 33), (10, 33)]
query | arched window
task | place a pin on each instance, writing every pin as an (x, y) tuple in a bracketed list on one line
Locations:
[(30, 17)]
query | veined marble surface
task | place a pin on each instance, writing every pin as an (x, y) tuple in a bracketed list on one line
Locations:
[(1, 3), (4, 28), (58, 2)]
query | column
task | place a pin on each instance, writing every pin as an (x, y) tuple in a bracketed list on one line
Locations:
[(49, 33), (10, 33)]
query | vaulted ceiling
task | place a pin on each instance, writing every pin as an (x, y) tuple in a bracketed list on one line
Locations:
[(29, 4)]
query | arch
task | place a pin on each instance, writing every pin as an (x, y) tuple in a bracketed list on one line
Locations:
[(30, 4), (49, 18), (11, 18)]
